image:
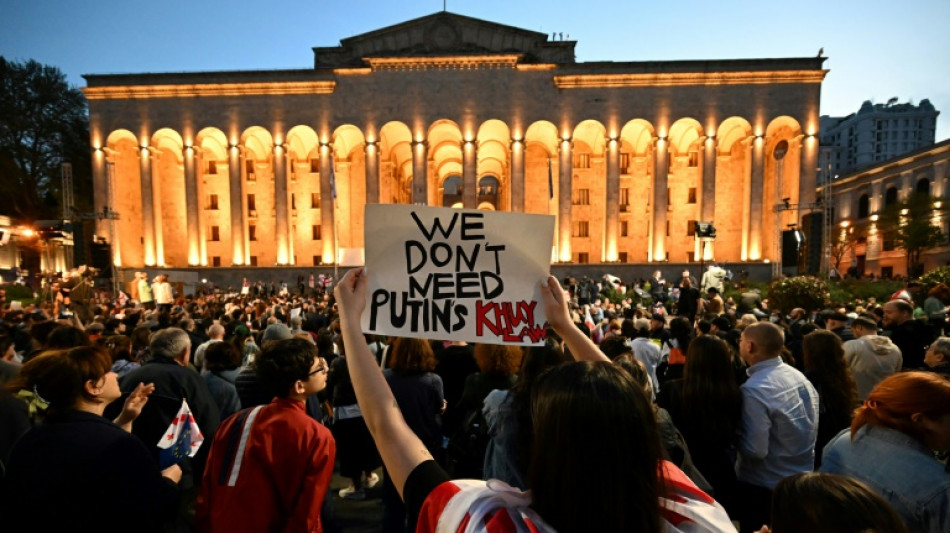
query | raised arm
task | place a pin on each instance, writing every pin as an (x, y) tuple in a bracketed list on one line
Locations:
[(555, 308), (400, 448)]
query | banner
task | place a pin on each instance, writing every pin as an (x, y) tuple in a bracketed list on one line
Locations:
[(461, 274)]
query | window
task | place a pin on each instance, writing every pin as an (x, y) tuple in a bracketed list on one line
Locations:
[(582, 229), (314, 168), (624, 162), (690, 228), (624, 197), (216, 260), (864, 206), (249, 170), (623, 228), (887, 272), (316, 232), (215, 234), (213, 202), (694, 159), (317, 259), (890, 197), (251, 203), (315, 200), (251, 232), (692, 196), (212, 167), (690, 257), (582, 161), (583, 258), (582, 197), (293, 201), (888, 245), (253, 260), (622, 257), (667, 228)]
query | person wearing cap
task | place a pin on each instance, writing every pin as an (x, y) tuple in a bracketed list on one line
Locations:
[(658, 330), (870, 357), (837, 323)]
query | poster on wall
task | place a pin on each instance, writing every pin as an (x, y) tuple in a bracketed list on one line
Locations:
[(462, 274)]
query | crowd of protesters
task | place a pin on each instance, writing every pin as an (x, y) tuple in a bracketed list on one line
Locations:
[(673, 410)]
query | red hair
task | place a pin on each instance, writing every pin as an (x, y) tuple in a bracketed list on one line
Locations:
[(894, 400)]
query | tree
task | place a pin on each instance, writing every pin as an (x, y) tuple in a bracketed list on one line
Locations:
[(910, 223), (43, 123), (845, 241)]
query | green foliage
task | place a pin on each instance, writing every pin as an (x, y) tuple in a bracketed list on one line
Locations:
[(43, 123), (17, 292), (932, 278), (807, 292), (911, 224), (849, 290)]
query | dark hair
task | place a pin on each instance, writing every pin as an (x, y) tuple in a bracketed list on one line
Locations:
[(682, 331), (829, 503), (284, 362), (59, 377), (825, 364), (614, 347), (500, 360), (65, 337), (712, 402), (140, 337), (410, 356), (704, 326), (638, 371), (222, 356), (41, 330), (722, 322), (580, 403), (119, 347)]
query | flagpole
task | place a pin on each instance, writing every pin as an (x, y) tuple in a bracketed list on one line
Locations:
[(336, 241)]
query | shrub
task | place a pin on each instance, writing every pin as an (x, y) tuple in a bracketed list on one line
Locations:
[(807, 292)]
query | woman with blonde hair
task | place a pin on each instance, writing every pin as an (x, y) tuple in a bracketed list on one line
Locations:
[(891, 446)]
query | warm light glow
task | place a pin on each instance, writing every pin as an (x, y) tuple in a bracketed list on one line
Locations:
[(689, 78), (845, 223), (874, 218), (493, 61), (211, 89), (938, 204), (904, 211), (766, 261), (28, 232)]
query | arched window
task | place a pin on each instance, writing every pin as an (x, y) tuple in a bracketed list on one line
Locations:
[(864, 206), (452, 191), (890, 197), (488, 191), (923, 187)]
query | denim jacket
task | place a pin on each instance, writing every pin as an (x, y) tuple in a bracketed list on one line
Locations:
[(900, 469), (501, 455)]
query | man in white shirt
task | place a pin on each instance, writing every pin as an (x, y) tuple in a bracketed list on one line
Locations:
[(779, 423)]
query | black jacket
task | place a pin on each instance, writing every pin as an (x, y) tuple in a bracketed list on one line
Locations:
[(80, 472)]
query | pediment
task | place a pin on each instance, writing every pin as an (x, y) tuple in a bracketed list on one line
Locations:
[(444, 34)]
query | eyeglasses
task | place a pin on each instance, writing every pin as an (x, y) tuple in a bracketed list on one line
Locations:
[(317, 371)]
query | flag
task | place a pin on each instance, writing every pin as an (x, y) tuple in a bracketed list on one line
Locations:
[(589, 320), (181, 439), (550, 181)]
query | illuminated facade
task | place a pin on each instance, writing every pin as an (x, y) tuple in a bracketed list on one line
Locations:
[(234, 168), (861, 197)]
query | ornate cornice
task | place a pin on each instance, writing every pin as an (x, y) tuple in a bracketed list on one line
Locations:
[(135, 92), (466, 62), (585, 81)]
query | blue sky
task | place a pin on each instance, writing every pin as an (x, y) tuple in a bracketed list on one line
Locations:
[(877, 49)]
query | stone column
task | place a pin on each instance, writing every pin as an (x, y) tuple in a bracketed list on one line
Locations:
[(708, 207), (808, 171), (661, 168), (565, 168), (281, 213), (372, 172), (420, 178), (100, 188), (469, 175), (327, 215), (612, 218), (517, 176), (236, 183), (148, 201), (756, 191), (191, 205)]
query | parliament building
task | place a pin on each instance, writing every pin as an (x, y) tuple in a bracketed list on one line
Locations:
[(274, 167)]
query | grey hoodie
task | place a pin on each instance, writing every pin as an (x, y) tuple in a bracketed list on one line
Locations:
[(871, 359)]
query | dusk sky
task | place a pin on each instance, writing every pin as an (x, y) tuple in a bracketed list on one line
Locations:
[(877, 49)]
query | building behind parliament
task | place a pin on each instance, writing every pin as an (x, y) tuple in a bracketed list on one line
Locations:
[(274, 167)]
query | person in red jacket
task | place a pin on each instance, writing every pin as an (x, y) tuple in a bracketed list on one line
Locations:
[(270, 466)]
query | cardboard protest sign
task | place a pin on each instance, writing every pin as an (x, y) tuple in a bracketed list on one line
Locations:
[(442, 273)]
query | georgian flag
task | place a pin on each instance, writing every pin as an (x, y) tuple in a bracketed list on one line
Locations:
[(181, 439)]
